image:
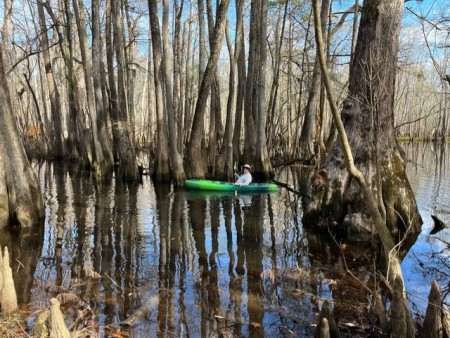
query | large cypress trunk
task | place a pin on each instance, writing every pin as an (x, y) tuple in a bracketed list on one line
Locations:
[(20, 197), (369, 123)]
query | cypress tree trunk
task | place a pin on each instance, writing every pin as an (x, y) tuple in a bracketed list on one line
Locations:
[(241, 79), (369, 123), (175, 157), (162, 162), (196, 163), (99, 164), (224, 168), (402, 324), (128, 169), (97, 82), (55, 101), (306, 142), (263, 167), (250, 86), (20, 196)]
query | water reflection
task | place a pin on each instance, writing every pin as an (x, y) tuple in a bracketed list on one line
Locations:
[(429, 172), (148, 260)]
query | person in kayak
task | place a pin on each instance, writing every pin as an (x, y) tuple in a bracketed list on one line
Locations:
[(246, 177)]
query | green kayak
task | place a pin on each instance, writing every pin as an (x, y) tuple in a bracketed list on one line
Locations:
[(195, 184)]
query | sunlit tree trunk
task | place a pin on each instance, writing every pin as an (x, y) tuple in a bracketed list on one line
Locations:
[(202, 40), (55, 101), (215, 126), (128, 169), (100, 166), (196, 164), (279, 37), (255, 147), (162, 171), (97, 82), (20, 195), (306, 142), (250, 85), (178, 174), (241, 79), (225, 161), (263, 167), (78, 147), (114, 104), (178, 87), (373, 180), (130, 71), (188, 82), (368, 118)]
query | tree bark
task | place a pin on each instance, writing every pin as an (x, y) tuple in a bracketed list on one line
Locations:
[(78, 147), (114, 105), (184, 136), (202, 40), (8, 296), (250, 84), (273, 97), (55, 101), (97, 82), (58, 328), (215, 113), (368, 119), (162, 163), (432, 325), (20, 195), (402, 324), (263, 167), (306, 142), (128, 169), (99, 164), (225, 160), (178, 174), (241, 79), (178, 87), (196, 165)]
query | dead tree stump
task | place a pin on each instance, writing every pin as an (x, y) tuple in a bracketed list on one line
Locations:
[(331, 326), (40, 329), (8, 297), (402, 324), (58, 328), (432, 325), (324, 329)]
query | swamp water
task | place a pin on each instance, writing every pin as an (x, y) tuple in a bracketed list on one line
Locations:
[(148, 261)]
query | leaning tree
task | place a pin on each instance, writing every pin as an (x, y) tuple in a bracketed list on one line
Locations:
[(20, 196)]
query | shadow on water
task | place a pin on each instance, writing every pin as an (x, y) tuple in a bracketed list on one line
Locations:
[(150, 260)]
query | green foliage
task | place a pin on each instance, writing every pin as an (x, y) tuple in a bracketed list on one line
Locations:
[(275, 3), (278, 3), (420, 75)]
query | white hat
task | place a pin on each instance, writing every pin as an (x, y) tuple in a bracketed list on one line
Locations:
[(247, 166)]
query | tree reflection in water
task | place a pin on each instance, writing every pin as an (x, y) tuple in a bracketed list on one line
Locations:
[(154, 261)]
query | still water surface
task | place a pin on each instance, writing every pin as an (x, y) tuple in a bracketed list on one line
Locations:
[(148, 260)]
